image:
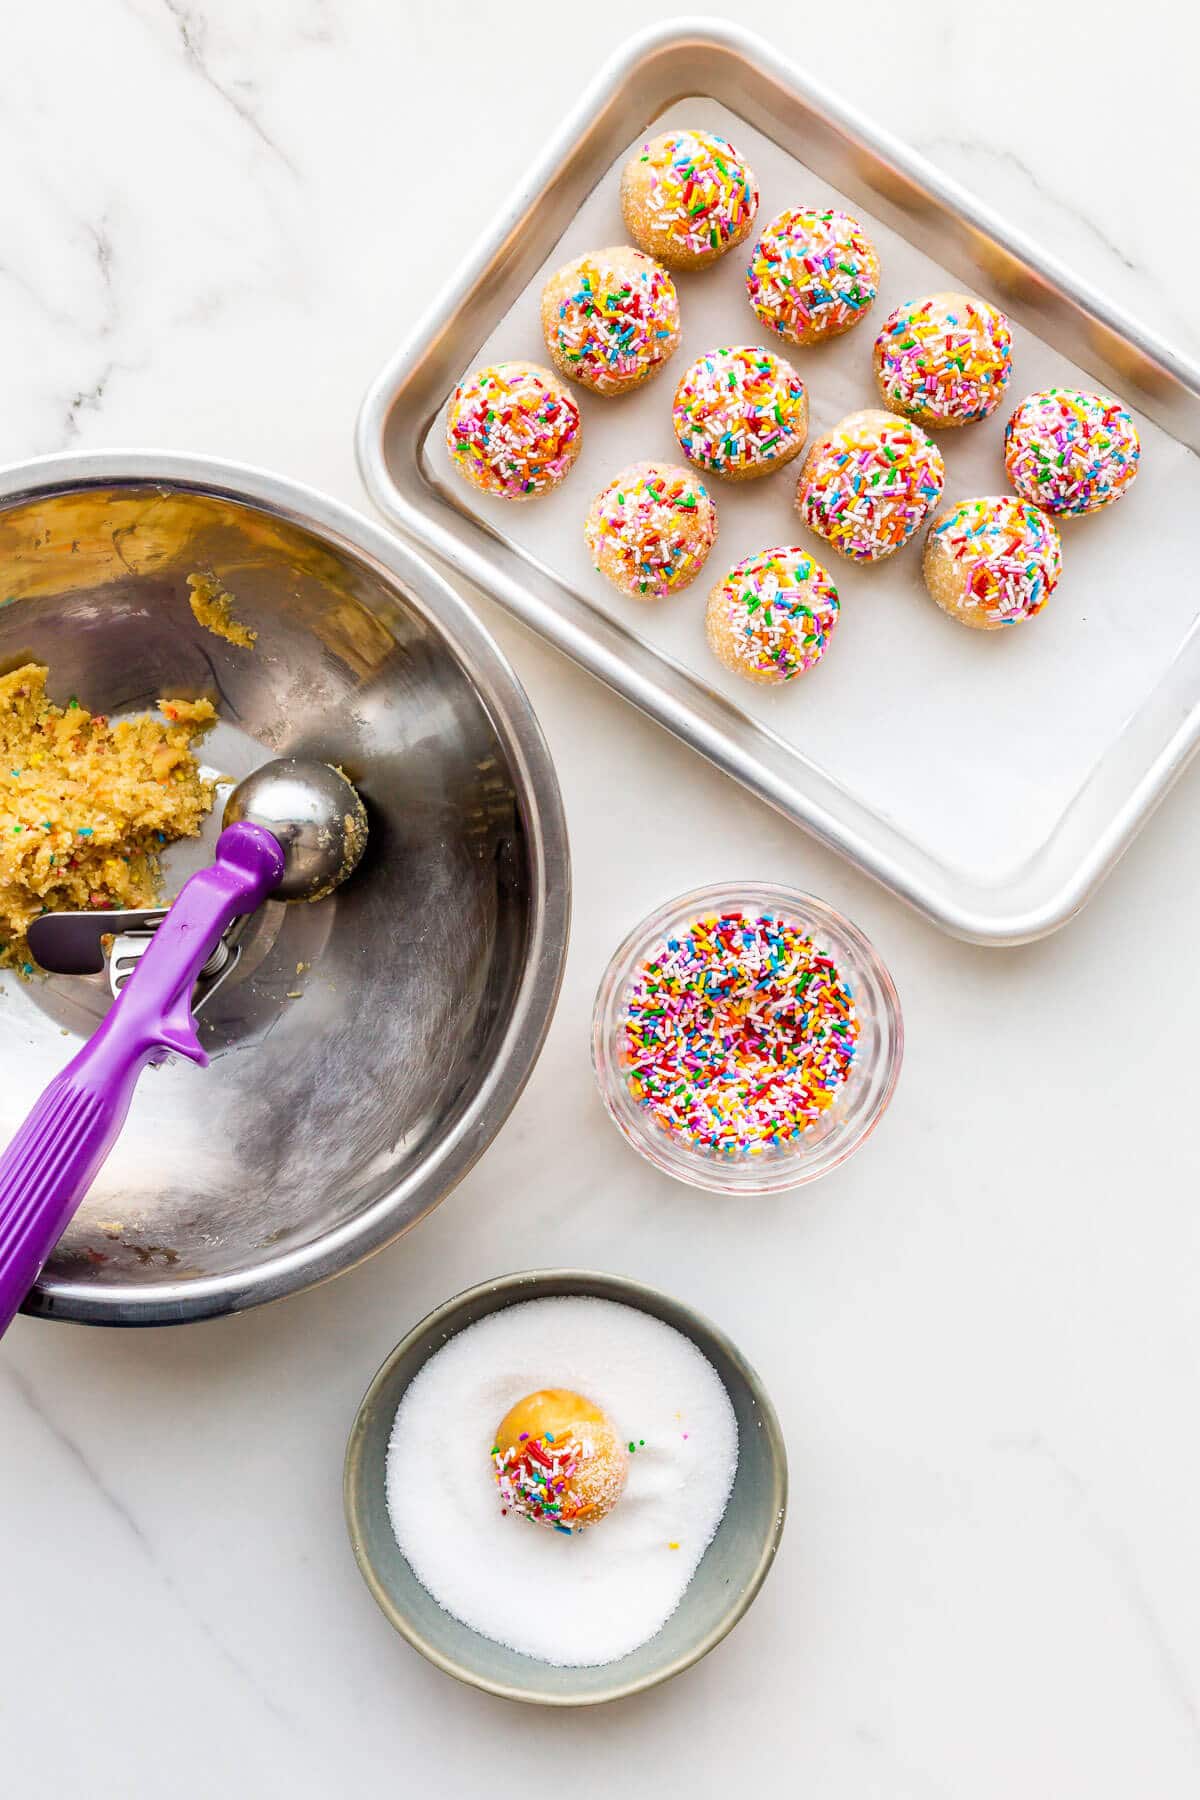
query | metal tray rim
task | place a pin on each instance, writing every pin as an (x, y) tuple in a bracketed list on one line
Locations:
[(1001, 922)]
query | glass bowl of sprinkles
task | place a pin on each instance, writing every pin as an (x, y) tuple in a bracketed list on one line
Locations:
[(746, 1038)]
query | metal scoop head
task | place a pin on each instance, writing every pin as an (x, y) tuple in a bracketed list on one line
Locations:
[(313, 813)]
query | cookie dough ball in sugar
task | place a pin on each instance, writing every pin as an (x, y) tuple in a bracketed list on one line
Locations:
[(558, 1460)]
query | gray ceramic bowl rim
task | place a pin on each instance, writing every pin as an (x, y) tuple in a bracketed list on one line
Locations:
[(628, 1292), (508, 705)]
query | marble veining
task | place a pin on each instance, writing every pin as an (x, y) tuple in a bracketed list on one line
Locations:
[(192, 27), (1114, 1547), (108, 1499)]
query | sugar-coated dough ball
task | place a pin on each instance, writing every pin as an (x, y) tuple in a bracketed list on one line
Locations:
[(558, 1460), (869, 483), (610, 319), (513, 429), (944, 360), (687, 197), (992, 562), (740, 413), (1071, 452), (773, 615), (813, 274), (650, 530)]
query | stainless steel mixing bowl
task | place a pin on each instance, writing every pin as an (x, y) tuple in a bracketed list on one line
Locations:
[(370, 1045)]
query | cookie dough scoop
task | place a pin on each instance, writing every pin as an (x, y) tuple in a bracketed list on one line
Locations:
[(295, 829)]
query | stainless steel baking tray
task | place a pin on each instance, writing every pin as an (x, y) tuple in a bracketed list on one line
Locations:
[(990, 781)]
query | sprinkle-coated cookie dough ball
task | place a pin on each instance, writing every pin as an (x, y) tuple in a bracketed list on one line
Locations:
[(513, 429), (773, 615), (740, 413), (944, 360), (651, 529), (687, 198), (992, 562), (869, 483), (558, 1460), (610, 319), (1070, 452), (813, 274)]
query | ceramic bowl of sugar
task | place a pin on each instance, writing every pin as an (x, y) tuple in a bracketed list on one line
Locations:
[(565, 1617)]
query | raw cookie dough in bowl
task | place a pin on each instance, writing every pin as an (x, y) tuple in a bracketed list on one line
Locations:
[(367, 1046), (88, 806)]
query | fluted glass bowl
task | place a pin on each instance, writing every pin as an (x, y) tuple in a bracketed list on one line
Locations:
[(860, 1101)]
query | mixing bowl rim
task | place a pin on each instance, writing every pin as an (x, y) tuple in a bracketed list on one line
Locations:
[(516, 725), (626, 1290)]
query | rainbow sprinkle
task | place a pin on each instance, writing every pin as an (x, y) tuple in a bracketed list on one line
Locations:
[(651, 529), (945, 360), (813, 274), (617, 322), (1009, 558), (563, 1481), (738, 1034), (867, 485), (689, 192), (1071, 452), (740, 409), (773, 615), (534, 1479), (513, 429)]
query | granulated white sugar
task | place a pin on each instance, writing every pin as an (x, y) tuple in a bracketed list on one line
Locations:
[(594, 1595)]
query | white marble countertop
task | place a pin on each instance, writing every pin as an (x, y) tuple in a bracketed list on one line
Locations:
[(982, 1334)]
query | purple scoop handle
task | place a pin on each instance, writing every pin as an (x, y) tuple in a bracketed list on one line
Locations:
[(54, 1158)]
